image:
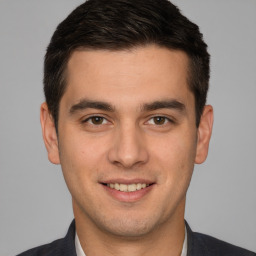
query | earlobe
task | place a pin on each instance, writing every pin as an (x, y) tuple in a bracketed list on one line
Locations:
[(204, 134), (49, 134)]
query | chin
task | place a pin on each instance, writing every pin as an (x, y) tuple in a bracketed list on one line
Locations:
[(129, 228), (129, 225)]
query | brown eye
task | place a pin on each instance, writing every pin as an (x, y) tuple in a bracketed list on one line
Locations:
[(159, 120), (97, 120)]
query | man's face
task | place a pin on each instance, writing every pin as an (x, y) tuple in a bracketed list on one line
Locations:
[(126, 121)]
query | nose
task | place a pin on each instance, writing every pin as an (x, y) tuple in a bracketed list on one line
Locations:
[(129, 148)]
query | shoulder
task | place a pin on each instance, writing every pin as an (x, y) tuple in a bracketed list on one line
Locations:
[(213, 246), (61, 247), (204, 245), (46, 250)]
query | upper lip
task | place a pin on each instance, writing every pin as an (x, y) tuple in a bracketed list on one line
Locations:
[(127, 181)]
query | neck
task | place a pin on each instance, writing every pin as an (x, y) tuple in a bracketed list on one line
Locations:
[(166, 239)]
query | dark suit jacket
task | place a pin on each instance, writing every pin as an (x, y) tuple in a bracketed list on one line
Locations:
[(198, 245)]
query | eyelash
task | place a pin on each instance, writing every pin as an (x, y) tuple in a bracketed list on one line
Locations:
[(104, 120), (166, 120), (89, 120)]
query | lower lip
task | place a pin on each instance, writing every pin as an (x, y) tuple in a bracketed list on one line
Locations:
[(128, 196)]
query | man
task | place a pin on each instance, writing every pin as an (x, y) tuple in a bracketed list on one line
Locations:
[(125, 85)]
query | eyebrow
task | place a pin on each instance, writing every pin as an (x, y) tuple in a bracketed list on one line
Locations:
[(170, 104), (85, 104)]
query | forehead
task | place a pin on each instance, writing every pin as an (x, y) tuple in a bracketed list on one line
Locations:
[(140, 73)]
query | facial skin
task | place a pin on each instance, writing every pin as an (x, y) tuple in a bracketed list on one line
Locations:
[(128, 117)]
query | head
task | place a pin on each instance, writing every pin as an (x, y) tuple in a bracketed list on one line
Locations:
[(120, 25), (125, 85)]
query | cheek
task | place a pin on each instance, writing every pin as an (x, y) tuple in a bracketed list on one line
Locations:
[(81, 147), (81, 157), (175, 157)]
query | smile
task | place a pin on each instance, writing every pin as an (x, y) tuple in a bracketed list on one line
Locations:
[(127, 187), (128, 190)]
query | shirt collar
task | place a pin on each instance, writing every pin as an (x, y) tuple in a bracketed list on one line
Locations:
[(79, 249)]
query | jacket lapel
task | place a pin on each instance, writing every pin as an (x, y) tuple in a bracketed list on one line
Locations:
[(196, 246), (67, 245)]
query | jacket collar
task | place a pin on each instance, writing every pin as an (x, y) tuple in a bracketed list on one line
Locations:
[(68, 243), (196, 246)]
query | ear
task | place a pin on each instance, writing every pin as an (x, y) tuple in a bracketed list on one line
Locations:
[(49, 134), (204, 134)]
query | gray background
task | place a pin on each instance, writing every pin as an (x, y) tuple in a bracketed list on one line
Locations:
[(35, 206)]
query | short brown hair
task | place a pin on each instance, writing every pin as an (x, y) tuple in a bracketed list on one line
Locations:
[(124, 24)]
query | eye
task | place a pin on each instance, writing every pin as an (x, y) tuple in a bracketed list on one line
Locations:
[(159, 120), (95, 120)]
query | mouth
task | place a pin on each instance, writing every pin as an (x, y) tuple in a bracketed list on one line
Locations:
[(127, 187), (124, 190)]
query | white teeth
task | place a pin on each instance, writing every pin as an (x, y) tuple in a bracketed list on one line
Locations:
[(138, 186), (123, 187), (132, 187), (127, 188)]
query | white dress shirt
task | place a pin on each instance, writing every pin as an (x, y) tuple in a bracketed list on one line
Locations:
[(79, 249), (80, 252)]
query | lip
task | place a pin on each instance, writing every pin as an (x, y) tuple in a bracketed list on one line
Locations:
[(127, 181), (128, 196)]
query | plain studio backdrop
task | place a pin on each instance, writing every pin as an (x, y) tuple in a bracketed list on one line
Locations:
[(35, 205)]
